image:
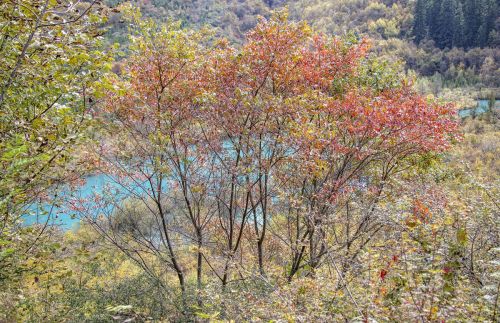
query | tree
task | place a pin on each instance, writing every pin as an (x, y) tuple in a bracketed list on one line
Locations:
[(487, 14), (472, 16), (151, 155), (459, 27), (419, 23), (50, 71), (48, 77), (446, 24), (214, 147)]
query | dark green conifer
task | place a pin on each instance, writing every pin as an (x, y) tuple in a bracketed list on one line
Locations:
[(419, 23)]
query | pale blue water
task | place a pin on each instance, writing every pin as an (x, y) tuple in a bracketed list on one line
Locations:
[(60, 213), (102, 185), (482, 107)]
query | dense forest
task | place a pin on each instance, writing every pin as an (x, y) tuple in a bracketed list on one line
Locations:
[(463, 24), (249, 161)]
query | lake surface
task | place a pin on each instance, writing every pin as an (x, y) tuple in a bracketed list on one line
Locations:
[(102, 186), (482, 107), (60, 213)]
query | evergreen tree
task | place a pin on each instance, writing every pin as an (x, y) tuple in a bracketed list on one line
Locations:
[(432, 18), (488, 12), (459, 24), (419, 23), (445, 30), (472, 23)]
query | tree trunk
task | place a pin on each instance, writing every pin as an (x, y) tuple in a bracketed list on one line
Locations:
[(199, 269)]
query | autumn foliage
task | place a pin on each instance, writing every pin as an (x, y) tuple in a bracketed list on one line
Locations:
[(294, 176), (270, 159)]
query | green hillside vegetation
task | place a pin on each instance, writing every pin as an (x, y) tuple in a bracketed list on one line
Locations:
[(399, 32), (404, 30)]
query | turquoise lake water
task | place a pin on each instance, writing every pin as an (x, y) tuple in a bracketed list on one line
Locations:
[(107, 187), (482, 107), (60, 213)]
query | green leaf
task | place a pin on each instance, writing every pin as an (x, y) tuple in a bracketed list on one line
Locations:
[(462, 236)]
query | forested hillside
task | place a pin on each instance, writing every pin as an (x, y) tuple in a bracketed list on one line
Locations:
[(232, 18), (235, 161), (452, 43), (400, 32)]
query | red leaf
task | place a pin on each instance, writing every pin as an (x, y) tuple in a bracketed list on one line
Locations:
[(383, 273)]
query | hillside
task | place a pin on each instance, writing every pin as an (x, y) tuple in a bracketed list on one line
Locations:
[(474, 63)]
